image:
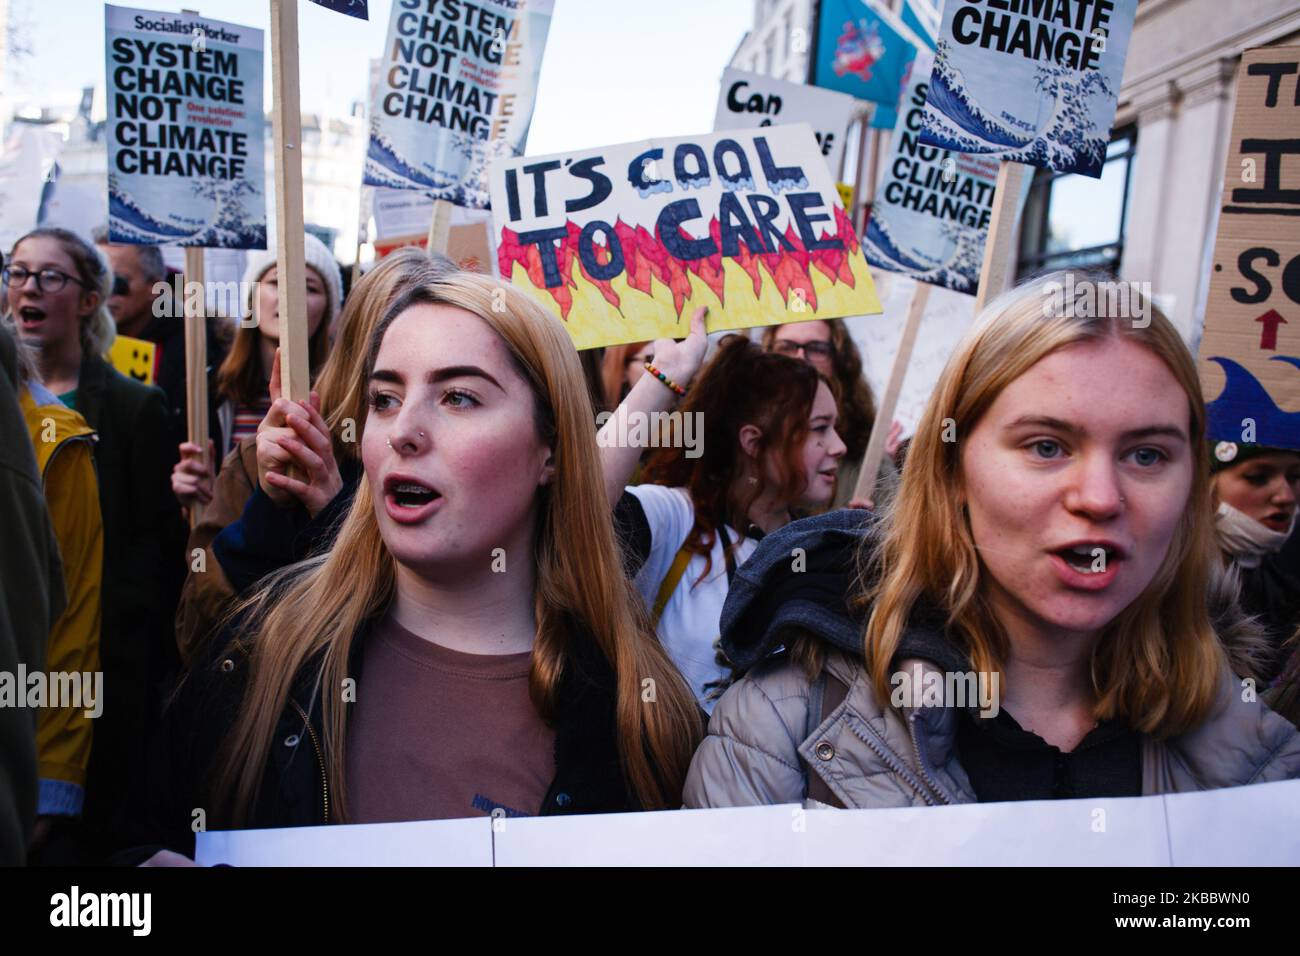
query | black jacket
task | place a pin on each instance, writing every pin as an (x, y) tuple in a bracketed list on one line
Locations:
[(296, 790), (143, 570), (168, 335), (1271, 592)]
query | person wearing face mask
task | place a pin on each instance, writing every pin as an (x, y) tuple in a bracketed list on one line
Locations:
[(57, 286), (474, 596), (1030, 619), (766, 450), (1255, 490)]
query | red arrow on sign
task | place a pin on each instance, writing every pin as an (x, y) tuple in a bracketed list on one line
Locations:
[(1271, 320)]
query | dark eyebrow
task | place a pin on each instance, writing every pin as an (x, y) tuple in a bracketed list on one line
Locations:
[(436, 376), (1046, 421)]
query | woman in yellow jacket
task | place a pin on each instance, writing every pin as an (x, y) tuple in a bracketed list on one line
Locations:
[(63, 444)]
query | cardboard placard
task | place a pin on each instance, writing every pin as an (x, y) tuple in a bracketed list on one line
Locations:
[(750, 100), (469, 245), (746, 222), (1250, 352), (185, 130), (1029, 83), (457, 84)]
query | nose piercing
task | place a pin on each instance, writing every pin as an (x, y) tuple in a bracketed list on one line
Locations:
[(390, 444)]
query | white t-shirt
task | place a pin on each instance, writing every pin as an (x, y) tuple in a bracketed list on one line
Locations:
[(689, 624)]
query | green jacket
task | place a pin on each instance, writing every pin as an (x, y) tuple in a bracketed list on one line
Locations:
[(31, 599)]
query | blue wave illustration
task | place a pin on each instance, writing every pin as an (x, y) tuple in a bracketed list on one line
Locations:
[(948, 95), (382, 159), (127, 216), (1244, 397), (1069, 140), (880, 245)]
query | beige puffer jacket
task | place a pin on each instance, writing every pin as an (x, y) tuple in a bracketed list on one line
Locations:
[(768, 740), (765, 740)]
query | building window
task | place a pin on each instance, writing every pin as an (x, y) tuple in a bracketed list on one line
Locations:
[(1078, 222)]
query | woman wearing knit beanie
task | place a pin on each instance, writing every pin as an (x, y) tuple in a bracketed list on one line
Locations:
[(243, 378), (1255, 492)]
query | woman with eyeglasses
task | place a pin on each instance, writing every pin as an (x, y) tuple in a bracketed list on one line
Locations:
[(827, 347), (56, 292), (764, 450)]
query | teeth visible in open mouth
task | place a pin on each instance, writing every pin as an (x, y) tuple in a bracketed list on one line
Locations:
[(411, 495), (1083, 558)]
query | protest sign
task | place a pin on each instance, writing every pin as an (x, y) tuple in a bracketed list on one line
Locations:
[(1250, 351), (469, 245), (749, 100), (353, 8), (865, 51), (134, 358), (746, 222), (457, 86), (466, 842), (1254, 825), (932, 208), (185, 143), (400, 212), (1033, 83)]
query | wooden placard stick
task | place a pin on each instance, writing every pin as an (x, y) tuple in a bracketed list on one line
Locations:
[(996, 269), (196, 361), (875, 453), (291, 263), (439, 227)]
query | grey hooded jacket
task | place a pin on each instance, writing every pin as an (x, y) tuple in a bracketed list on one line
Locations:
[(768, 733)]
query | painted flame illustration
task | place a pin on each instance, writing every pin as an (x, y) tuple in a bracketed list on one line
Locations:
[(647, 260)]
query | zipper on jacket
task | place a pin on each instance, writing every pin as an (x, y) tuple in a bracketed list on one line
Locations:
[(893, 764), (88, 437), (320, 759), (920, 761)]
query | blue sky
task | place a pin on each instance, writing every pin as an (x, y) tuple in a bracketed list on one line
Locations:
[(614, 71)]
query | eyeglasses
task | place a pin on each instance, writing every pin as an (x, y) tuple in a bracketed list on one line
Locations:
[(47, 280), (810, 349)]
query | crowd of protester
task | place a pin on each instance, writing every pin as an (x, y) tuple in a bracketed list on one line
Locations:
[(442, 586)]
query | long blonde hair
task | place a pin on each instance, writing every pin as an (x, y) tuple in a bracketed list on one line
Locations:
[(320, 606), (1156, 665)]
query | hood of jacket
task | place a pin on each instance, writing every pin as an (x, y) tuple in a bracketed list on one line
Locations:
[(803, 577)]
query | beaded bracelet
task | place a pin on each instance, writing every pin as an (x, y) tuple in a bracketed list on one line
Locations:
[(665, 379)]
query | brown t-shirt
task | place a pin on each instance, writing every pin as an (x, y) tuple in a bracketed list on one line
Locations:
[(436, 733)]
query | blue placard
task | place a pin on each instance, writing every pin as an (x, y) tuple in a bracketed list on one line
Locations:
[(864, 51)]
